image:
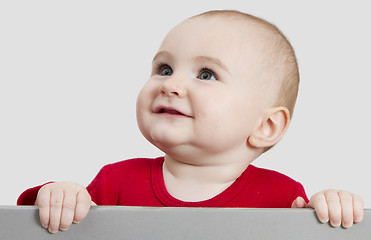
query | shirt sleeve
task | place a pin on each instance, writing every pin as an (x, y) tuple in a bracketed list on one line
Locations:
[(28, 197), (300, 192), (103, 189)]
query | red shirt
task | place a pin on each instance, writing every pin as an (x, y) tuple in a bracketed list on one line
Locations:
[(139, 182)]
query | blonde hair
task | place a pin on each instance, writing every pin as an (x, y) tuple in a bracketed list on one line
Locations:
[(282, 63)]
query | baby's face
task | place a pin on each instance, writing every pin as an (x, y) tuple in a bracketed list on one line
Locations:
[(203, 93)]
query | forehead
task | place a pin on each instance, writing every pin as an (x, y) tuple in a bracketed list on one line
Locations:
[(229, 40)]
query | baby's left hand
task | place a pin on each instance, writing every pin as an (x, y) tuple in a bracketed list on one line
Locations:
[(339, 207)]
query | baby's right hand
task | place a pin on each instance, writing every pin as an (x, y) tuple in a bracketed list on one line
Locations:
[(60, 204)]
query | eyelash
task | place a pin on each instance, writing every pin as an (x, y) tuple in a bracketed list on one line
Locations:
[(204, 68), (160, 66)]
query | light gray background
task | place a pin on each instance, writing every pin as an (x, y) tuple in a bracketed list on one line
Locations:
[(70, 72)]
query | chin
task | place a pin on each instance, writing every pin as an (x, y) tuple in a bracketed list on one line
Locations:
[(164, 143)]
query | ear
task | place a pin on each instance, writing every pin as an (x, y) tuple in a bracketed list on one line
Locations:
[(271, 129)]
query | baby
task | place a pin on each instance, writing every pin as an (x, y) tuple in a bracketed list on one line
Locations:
[(222, 91)]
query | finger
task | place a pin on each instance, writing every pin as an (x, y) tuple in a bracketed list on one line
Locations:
[(358, 210), (346, 202), (299, 203), (83, 203), (318, 202), (43, 202), (68, 210), (334, 208), (56, 201)]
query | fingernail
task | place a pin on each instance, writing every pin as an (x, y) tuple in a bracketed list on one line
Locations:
[(357, 219), (347, 224), (335, 224)]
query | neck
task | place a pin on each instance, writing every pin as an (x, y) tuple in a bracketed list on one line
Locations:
[(218, 173), (201, 179)]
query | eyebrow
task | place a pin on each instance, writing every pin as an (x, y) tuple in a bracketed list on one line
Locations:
[(212, 60), (162, 54)]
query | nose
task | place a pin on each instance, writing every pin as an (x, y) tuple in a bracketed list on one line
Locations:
[(173, 86)]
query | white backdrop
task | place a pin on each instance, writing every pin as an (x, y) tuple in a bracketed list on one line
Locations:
[(70, 72)]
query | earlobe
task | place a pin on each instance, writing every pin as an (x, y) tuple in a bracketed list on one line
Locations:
[(271, 129)]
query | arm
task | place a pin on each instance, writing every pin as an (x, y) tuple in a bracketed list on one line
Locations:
[(338, 207)]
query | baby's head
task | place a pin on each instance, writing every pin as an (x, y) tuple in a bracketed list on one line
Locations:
[(221, 82)]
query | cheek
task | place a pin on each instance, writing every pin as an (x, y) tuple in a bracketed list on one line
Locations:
[(141, 100), (146, 95), (211, 118), (143, 106), (227, 116)]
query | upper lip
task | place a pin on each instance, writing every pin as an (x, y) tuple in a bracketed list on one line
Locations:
[(170, 110)]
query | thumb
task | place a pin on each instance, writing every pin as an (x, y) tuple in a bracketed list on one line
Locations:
[(299, 202)]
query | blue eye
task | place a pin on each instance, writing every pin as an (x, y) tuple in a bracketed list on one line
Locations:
[(206, 75), (166, 70)]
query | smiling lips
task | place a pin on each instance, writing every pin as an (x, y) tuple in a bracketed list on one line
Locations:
[(170, 111)]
